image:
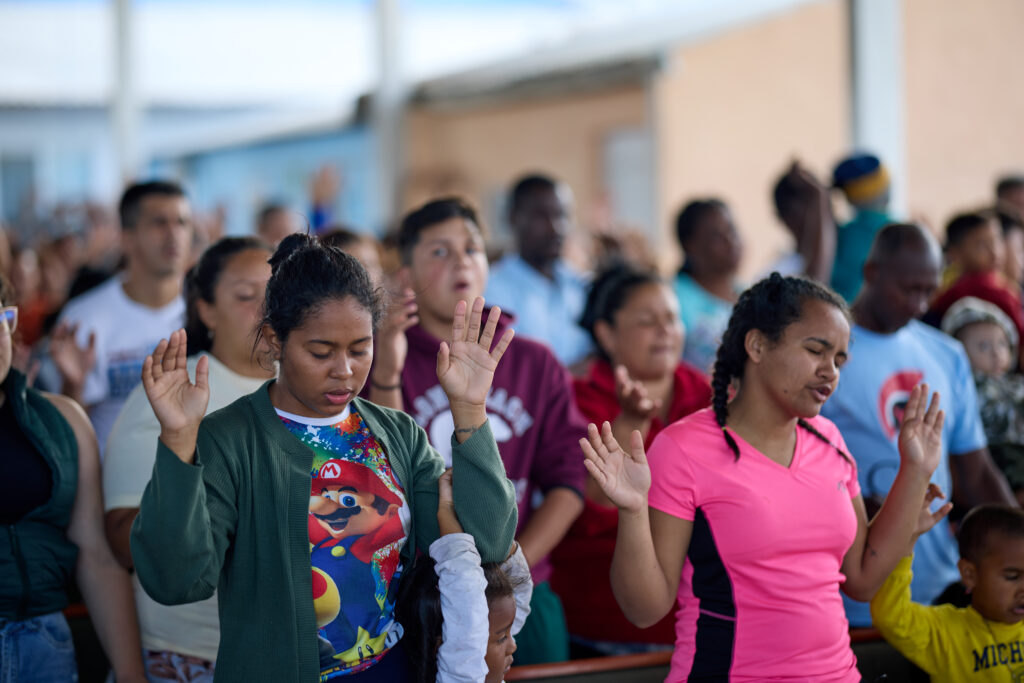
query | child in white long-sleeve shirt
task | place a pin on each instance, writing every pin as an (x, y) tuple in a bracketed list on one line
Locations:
[(460, 618)]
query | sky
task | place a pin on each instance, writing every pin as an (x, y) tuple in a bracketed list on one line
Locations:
[(223, 53)]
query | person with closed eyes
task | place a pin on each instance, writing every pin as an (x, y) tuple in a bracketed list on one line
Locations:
[(248, 500)]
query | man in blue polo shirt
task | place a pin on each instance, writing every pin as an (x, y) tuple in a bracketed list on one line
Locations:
[(890, 353)]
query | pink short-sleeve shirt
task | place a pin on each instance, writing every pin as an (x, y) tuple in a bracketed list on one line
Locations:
[(759, 595)]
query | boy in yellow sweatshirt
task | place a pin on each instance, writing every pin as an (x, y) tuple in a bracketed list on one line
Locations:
[(983, 642)]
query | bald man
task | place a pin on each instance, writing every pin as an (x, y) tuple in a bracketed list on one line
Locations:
[(891, 352)]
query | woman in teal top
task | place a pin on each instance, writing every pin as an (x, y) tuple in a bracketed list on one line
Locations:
[(302, 504), (706, 284)]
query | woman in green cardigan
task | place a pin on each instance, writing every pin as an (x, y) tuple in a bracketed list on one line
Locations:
[(301, 504)]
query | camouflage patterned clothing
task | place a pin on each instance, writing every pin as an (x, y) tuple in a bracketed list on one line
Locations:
[(1001, 400)]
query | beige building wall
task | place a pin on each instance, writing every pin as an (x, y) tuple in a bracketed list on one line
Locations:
[(479, 150), (964, 102), (732, 112)]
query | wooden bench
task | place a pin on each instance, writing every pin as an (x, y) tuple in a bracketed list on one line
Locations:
[(875, 659), (649, 667)]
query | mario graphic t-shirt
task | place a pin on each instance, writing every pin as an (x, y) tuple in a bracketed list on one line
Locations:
[(358, 522)]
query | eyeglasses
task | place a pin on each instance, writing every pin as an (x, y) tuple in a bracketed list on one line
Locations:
[(9, 314)]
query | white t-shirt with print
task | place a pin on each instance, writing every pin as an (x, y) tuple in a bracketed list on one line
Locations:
[(126, 332)]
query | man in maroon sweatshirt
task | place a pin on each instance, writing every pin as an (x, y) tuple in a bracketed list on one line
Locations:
[(531, 408)]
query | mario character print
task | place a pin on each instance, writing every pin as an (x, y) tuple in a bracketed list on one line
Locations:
[(357, 526)]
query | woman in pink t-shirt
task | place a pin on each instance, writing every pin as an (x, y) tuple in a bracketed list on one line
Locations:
[(755, 519)]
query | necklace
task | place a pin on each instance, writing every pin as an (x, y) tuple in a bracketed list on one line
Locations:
[(1016, 674)]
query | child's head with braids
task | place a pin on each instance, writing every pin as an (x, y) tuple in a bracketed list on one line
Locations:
[(785, 342)]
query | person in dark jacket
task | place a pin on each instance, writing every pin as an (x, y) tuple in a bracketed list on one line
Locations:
[(51, 506)]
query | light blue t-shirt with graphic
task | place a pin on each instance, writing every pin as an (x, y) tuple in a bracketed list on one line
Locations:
[(867, 407)]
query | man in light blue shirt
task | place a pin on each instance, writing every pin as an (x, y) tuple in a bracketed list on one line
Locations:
[(890, 353), (544, 293)]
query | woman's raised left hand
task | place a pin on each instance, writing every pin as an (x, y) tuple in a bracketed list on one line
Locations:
[(920, 439), (466, 367)]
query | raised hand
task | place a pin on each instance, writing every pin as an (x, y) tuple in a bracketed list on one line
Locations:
[(73, 362), (390, 344), (927, 519), (179, 404), (632, 396), (466, 368), (324, 187), (624, 478), (920, 440), (447, 521)]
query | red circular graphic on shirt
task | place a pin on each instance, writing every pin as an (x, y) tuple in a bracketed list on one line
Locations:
[(892, 399)]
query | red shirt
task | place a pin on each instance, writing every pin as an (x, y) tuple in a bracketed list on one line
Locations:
[(583, 560)]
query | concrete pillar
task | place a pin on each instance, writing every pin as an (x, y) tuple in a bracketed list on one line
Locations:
[(876, 44), (126, 112), (387, 112)]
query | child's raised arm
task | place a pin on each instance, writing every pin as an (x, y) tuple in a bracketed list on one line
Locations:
[(461, 583), (906, 625)]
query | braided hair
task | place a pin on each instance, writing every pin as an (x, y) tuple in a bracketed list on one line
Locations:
[(770, 306)]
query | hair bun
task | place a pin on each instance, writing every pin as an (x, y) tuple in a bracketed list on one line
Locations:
[(289, 245)]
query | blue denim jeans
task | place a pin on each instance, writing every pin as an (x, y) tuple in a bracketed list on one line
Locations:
[(38, 649)]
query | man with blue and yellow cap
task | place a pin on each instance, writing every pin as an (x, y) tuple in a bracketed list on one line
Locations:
[(865, 182)]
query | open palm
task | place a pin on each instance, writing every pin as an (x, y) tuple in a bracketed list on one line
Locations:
[(920, 441), (73, 362), (624, 478), (466, 367), (179, 404)]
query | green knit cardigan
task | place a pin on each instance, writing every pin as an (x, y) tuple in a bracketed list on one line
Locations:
[(236, 521)]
